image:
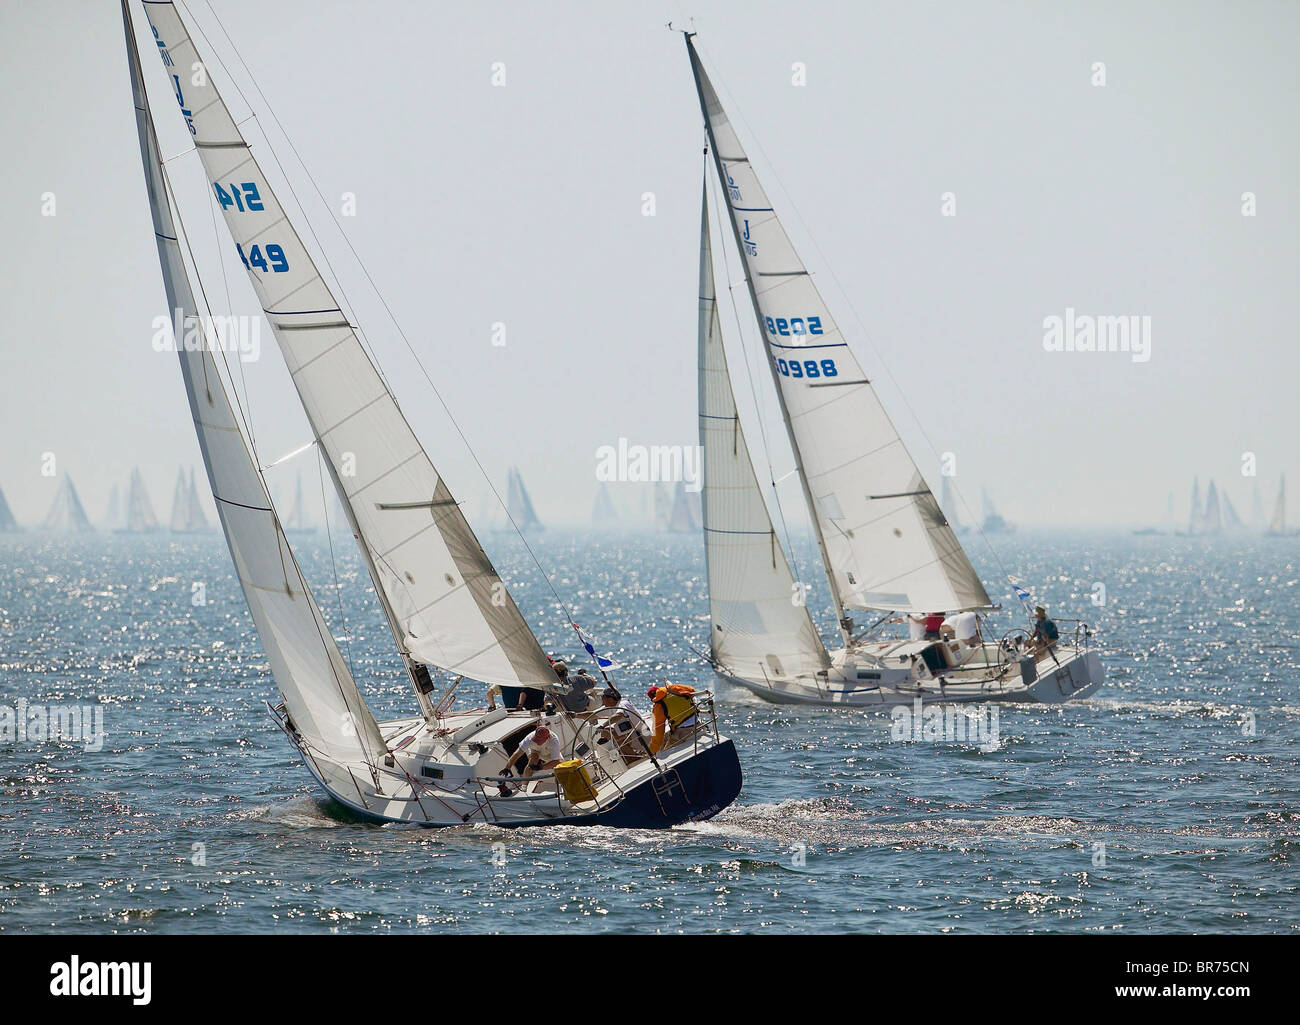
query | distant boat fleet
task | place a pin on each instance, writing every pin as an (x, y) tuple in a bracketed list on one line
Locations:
[(1213, 514)]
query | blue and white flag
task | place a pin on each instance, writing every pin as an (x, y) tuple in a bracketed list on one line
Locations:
[(601, 661), (1026, 599)]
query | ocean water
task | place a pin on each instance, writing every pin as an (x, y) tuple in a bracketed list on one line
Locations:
[(1169, 802)]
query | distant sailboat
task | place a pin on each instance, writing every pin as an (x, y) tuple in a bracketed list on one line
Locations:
[(66, 512), (297, 521), (885, 545), (686, 516), (993, 522), (187, 512), (948, 503), (1212, 517), (603, 513), (1231, 521), (1277, 525), (140, 518), (1196, 516), (447, 608), (7, 522), (519, 505)]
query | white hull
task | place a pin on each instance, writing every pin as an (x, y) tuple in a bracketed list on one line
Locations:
[(1076, 674)]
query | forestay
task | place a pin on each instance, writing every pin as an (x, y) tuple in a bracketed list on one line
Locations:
[(319, 692), (884, 540), (761, 628), (445, 601)]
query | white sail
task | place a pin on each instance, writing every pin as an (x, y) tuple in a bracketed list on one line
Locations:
[(1277, 525), (180, 517), (1212, 521), (884, 540), (1231, 519), (444, 600), (7, 521), (319, 692), (197, 520), (1196, 517), (519, 504), (66, 511), (140, 516), (761, 628)]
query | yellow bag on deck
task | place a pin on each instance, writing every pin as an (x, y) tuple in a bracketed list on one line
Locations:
[(575, 781)]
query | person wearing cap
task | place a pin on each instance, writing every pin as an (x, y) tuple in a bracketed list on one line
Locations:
[(541, 749), (675, 715), (1045, 634)]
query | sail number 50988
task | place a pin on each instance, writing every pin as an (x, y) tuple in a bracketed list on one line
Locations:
[(807, 368)]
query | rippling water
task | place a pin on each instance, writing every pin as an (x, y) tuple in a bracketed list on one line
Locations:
[(838, 827)]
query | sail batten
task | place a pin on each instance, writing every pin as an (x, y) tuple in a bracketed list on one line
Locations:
[(876, 520), (360, 429)]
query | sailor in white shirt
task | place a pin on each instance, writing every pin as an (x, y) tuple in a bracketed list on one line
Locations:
[(625, 724), (541, 748), (964, 628)]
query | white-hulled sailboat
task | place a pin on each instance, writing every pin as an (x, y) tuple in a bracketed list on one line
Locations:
[(446, 605), (884, 542)]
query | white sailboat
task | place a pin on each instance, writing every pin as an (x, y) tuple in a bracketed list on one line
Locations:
[(883, 540), (140, 518), (1211, 517), (66, 511), (7, 522), (449, 611), (1277, 525), (1196, 515), (519, 505), (297, 522), (187, 512)]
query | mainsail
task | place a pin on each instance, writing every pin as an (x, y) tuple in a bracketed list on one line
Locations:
[(140, 516), (444, 600), (1277, 525), (7, 521), (187, 514), (761, 626), (66, 511), (319, 692), (1197, 514), (1212, 521), (518, 504), (884, 540)]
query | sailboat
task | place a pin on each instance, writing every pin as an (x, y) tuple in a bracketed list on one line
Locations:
[(993, 521), (1232, 521), (140, 518), (1196, 516), (948, 504), (296, 522), (519, 505), (686, 515), (187, 512), (1211, 517), (7, 522), (884, 543), (603, 513), (1277, 525), (449, 611), (66, 511)]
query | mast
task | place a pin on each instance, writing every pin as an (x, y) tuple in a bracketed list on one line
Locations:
[(320, 696), (445, 603), (843, 621), (884, 540)]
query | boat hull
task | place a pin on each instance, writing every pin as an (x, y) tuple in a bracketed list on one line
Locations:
[(1075, 677)]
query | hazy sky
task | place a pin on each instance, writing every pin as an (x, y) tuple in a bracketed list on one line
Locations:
[(522, 204)]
